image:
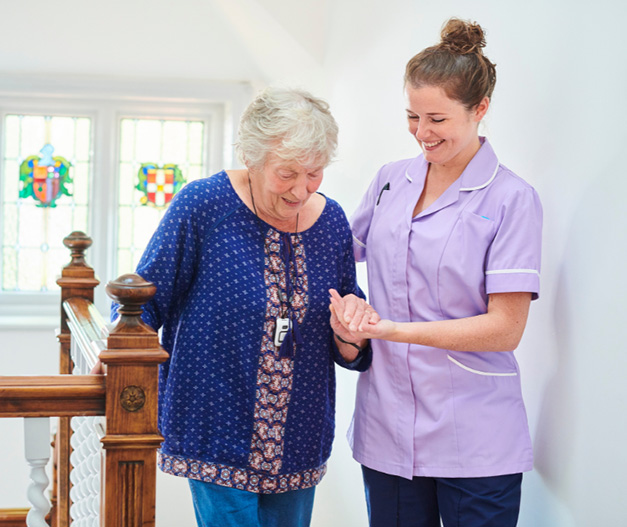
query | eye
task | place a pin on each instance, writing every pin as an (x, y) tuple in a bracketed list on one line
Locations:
[(413, 117), (438, 120)]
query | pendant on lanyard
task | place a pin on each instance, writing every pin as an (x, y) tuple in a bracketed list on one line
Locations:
[(283, 325)]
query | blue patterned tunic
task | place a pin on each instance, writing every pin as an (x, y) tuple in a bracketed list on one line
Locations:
[(232, 410)]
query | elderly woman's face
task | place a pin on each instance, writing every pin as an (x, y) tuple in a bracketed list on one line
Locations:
[(282, 188)]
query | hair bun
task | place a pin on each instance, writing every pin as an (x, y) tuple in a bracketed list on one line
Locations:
[(462, 37)]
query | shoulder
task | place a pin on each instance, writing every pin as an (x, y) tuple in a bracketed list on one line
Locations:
[(200, 189), (213, 192), (510, 196), (507, 179), (333, 211), (333, 217), (217, 184), (510, 186), (402, 168)]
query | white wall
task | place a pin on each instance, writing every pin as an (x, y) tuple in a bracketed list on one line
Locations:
[(557, 119)]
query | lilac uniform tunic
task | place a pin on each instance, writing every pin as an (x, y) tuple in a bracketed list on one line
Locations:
[(424, 411)]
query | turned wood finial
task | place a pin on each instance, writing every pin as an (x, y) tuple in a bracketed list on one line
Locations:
[(131, 291), (78, 242)]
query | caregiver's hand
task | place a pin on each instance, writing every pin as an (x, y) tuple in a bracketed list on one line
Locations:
[(354, 319)]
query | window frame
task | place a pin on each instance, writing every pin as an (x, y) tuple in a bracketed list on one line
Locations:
[(106, 102)]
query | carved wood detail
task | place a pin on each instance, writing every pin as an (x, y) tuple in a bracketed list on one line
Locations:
[(127, 395)]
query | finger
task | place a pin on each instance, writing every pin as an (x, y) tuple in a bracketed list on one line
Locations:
[(350, 308), (359, 315), (336, 295), (375, 318), (335, 323), (337, 305), (371, 318)]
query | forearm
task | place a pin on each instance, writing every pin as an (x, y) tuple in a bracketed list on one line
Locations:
[(500, 329), (479, 333)]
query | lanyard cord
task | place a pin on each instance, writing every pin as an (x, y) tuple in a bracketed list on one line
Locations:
[(289, 261)]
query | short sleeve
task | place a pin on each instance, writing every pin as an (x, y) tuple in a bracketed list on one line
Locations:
[(513, 259)]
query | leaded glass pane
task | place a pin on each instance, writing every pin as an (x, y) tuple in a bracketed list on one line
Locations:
[(31, 269), (156, 157), (12, 182), (9, 225), (9, 268), (80, 219), (46, 171), (80, 177)]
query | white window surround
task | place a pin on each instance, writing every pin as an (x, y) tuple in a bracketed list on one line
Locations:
[(106, 101)]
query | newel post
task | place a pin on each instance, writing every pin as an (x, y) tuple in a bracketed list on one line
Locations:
[(132, 358), (77, 280)]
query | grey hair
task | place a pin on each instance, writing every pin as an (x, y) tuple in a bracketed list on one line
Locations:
[(292, 124)]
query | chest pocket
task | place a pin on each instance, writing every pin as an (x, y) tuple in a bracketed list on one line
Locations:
[(462, 268)]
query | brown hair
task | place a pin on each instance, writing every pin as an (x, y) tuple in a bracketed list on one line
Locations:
[(457, 64)]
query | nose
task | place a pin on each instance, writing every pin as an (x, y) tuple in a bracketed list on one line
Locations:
[(421, 130), (299, 190)]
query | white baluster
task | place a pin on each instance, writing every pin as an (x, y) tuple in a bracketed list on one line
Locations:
[(37, 450), (85, 474)]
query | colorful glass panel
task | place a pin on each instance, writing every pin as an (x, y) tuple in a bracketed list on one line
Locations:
[(159, 184), (41, 204), (45, 178), (157, 157)]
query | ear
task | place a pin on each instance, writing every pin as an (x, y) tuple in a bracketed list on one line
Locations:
[(481, 109)]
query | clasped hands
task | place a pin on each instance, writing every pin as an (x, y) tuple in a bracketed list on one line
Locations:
[(353, 319)]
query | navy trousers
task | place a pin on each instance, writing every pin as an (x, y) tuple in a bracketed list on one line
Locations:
[(459, 502)]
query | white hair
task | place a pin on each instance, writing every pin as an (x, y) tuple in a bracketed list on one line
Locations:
[(292, 124)]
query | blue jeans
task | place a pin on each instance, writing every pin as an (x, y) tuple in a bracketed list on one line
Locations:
[(460, 502), (217, 506)]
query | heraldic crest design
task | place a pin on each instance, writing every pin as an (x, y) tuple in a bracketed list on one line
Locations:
[(45, 178), (159, 184)]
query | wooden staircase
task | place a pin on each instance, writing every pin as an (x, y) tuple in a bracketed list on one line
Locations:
[(126, 395)]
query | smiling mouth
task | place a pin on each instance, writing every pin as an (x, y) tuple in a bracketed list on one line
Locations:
[(431, 145)]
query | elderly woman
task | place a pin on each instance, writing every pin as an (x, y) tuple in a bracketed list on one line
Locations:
[(243, 261)]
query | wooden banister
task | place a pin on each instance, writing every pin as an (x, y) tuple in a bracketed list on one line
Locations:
[(51, 396), (13, 517), (88, 329), (132, 357), (77, 280), (126, 395)]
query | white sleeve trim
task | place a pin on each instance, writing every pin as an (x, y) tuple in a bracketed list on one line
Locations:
[(514, 271), (358, 242)]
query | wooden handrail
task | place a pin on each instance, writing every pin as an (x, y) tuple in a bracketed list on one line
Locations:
[(51, 396), (88, 328), (13, 517), (126, 395), (78, 280)]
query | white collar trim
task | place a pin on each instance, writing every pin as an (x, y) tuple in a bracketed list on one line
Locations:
[(483, 185)]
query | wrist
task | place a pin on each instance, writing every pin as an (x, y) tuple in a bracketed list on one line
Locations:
[(358, 346)]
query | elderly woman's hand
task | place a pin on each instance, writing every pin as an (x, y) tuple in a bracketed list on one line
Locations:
[(352, 317), (98, 369)]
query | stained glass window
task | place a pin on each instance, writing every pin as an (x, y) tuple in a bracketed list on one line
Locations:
[(46, 170), (157, 156)]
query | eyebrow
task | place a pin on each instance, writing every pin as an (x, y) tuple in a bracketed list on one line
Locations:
[(429, 114)]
